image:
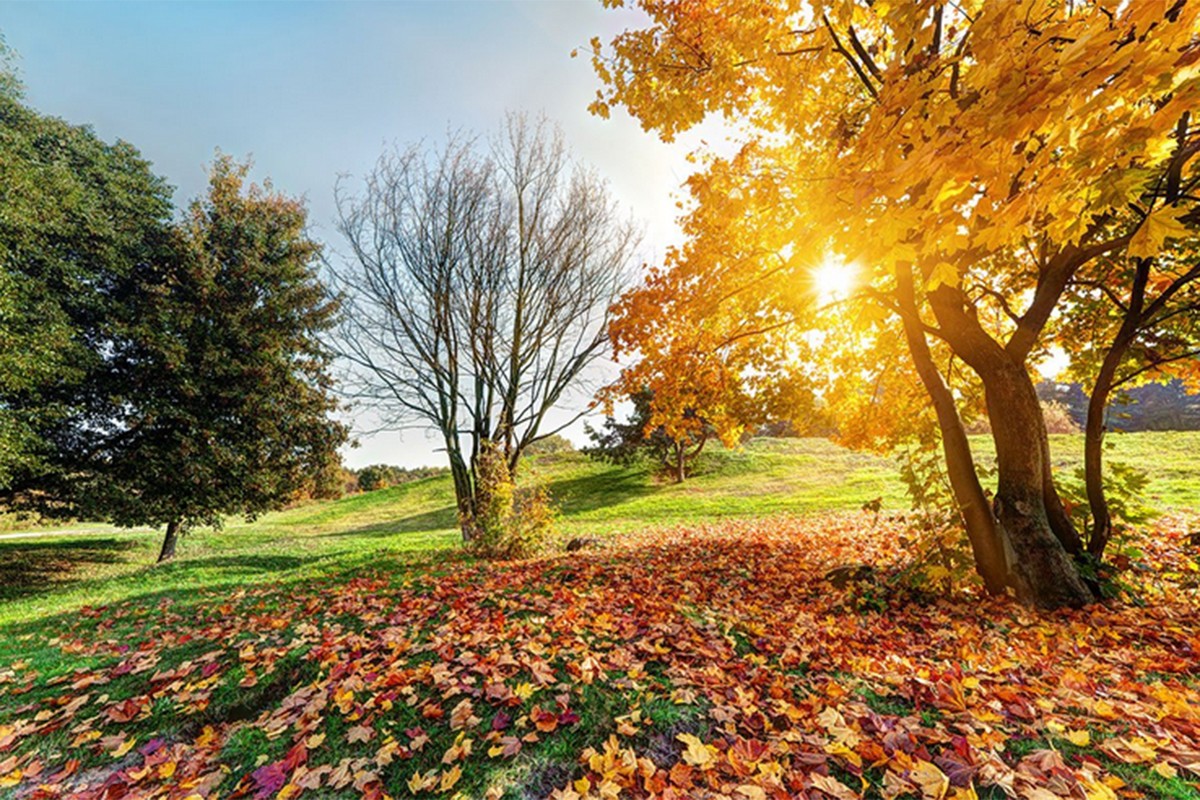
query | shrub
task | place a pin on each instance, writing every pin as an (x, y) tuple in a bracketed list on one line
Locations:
[(508, 523), (551, 445)]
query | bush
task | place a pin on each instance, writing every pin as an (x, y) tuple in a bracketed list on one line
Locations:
[(381, 476), (508, 523), (551, 445)]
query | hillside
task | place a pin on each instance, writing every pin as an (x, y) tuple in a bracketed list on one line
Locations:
[(347, 650)]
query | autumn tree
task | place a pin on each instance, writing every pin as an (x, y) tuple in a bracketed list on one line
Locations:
[(218, 394), (477, 291), (972, 157)]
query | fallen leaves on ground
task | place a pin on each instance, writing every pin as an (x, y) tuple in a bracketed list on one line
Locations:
[(713, 662)]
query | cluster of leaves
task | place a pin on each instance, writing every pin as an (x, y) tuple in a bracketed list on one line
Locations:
[(710, 663), (507, 523)]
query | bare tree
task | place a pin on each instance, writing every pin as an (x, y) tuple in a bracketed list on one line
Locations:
[(478, 290)]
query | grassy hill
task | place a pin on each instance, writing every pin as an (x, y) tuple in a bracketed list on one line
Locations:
[(53, 572), (348, 649)]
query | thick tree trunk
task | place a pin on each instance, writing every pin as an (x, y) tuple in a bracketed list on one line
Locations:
[(1043, 571), (986, 540), (1040, 569), (169, 541)]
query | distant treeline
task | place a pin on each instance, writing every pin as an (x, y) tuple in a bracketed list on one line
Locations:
[(1153, 407), (381, 476)]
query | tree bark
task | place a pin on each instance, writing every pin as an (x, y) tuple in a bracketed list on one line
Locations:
[(987, 544), (464, 489), (169, 542), (1041, 570), (1094, 428)]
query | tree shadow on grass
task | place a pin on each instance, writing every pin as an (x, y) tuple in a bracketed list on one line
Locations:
[(436, 520), (32, 567), (593, 492), (249, 564)]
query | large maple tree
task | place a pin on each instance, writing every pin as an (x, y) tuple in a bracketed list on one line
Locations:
[(970, 157)]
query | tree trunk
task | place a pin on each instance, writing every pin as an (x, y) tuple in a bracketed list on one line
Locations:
[(987, 544), (1094, 428), (169, 542), (680, 463), (1040, 569), (1060, 521), (464, 491), (1093, 464), (1043, 572)]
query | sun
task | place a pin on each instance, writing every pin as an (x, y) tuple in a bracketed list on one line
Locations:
[(833, 280)]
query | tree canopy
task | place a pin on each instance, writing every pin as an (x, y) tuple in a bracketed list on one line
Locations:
[(971, 158), (78, 218), (478, 291), (221, 400)]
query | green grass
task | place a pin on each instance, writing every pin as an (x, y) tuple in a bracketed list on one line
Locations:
[(50, 584), (55, 572)]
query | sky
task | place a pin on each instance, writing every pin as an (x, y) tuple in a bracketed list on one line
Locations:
[(314, 90)]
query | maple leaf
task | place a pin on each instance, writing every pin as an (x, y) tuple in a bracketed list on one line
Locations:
[(832, 787), (1161, 224), (449, 778), (268, 780), (508, 746), (544, 721), (457, 751), (696, 752), (360, 733), (462, 716)]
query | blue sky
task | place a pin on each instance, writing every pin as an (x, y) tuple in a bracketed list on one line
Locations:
[(312, 90)]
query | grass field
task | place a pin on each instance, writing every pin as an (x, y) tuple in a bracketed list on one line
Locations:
[(358, 629), (51, 573)]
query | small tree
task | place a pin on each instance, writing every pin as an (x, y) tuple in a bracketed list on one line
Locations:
[(638, 437), (219, 394)]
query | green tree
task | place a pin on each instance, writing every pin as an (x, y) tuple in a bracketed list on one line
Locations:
[(638, 437), (77, 218), (220, 399)]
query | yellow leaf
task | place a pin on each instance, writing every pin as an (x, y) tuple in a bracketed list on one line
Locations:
[(417, 782), (752, 792), (1166, 770), (124, 747), (11, 779), (1158, 226), (1097, 791), (697, 753), (933, 782), (450, 778), (583, 786), (1079, 738), (945, 273)]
